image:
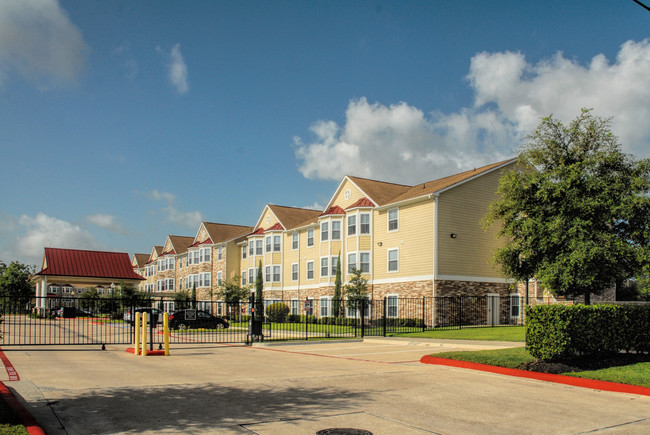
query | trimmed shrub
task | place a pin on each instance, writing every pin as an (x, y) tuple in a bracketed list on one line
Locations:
[(558, 332), (277, 312)]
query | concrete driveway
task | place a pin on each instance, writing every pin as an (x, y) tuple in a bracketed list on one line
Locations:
[(377, 385)]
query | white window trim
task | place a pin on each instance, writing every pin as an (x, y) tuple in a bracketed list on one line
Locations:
[(340, 222), (312, 237), (388, 260), (320, 268), (297, 266), (518, 296), (328, 313), (295, 236), (359, 253), (369, 223), (389, 296), (388, 220), (313, 273), (279, 244), (322, 239)]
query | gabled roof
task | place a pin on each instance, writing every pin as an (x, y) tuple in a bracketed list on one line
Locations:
[(276, 227), (379, 192), (87, 264), (333, 210), (292, 217), (224, 232), (179, 245), (440, 184), (140, 260), (155, 250), (362, 203)]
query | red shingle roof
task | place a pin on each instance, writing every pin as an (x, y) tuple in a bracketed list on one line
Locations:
[(276, 227), (333, 210), (95, 264)]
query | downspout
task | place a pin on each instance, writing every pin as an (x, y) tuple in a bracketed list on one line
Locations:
[(435, 197)]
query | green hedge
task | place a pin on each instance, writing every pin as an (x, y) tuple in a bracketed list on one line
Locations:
[(558, 332)]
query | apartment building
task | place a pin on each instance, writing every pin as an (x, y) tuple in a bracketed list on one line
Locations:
[(139, 263), (168, 263), (409, 241), (149, 284)]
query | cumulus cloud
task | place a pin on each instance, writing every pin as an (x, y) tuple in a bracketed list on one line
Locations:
[(191, 219), (38, 41), (176, 68), (315, 206), (43, 230), (401, 143), (106, 222)]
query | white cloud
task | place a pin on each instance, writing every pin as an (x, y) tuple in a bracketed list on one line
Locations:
[(38, 41), (400, 143), (315, 206), (42, 231), (176, 68), (106, 222), (191, 219)]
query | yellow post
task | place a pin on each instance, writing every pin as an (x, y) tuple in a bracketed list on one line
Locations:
[(166, 332), (137, 333), (144, 333)]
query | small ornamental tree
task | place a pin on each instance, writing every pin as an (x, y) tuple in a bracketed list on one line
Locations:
[(182, 299), (356, 292), (336, 300), (232, 293), (576, 212), (277, 312)]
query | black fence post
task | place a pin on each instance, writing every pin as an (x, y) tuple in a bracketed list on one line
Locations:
[(460, 312), (385, 315), (361, 316)]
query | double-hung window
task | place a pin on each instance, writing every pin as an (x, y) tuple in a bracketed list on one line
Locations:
[(392, 305), (294, 272), (294, 241), (258, 247), (352, 225), (243, 253), (251, 246), (170, 284), (393, 224), (170, 263), (251, 276), (277, 243), (276, 273), (393, 260), (243, 279), (267, 274), (310, 237), (352, 262), (325, 305), (324, 266), (268, 244), (365, 223), (336, 230), (335, 264), (515, 301), (294, 306), (365, 262), (310, 270), (220, 253), (219, 278), (324, 231)]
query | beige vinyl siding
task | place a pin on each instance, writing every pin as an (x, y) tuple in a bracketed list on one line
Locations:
[(365, 243), (413, 239), (268, 219), (461, 211), (355, 195), (232, 256)]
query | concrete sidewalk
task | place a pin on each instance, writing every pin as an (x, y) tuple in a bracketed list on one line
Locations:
[(290, 389)]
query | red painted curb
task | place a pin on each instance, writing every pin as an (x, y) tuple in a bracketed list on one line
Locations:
[(558, 379), (149, 352), (30, 423)]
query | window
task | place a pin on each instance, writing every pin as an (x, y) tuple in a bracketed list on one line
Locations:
[(220, 253), (352, 262), (310, 237), (352, 225), (204, 279), (267, 274), (335, 263), (204, 255), (392, 220), (251, 245), (336, 230), (268, 244), (251, 276), (294, 306), (310, 270), (294, 272), (276, 273), (180, 263), (170, 263), (393, 260), (219, 278), (392, 305), (277, 243), (365, 262), (324, 266), (515, 300), (325, 305), (180, 283), (258, 247), (294, 241), (324, 231), (243, 279), (365, 223), (243, 253)]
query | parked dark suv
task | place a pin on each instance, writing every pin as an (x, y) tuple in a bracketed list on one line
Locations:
[(129, 317), (186, 319)]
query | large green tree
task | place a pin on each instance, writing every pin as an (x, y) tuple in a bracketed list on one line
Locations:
[(576, 211), (232, 293), (14, 281), (259, 292)]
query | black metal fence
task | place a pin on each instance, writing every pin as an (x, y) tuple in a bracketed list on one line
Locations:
[(78, 320)]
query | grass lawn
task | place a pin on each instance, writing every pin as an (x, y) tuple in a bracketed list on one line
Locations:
[(496, 333), (633, 373)]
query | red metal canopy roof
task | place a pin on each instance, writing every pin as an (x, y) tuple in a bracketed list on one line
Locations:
[(95, 264)]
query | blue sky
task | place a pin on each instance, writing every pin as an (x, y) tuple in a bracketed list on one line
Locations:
[(122, 122)]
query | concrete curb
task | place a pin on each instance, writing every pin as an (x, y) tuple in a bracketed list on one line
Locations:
[(558, 379), (23, 414)]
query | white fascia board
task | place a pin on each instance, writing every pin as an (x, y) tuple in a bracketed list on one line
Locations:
[(338, 189)]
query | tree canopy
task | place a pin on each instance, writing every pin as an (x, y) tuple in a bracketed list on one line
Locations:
[(14, 281), (576, 211)]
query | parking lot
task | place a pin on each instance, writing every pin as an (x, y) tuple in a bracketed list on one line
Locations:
[(376, 385)]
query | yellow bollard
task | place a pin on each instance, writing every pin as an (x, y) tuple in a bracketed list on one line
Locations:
[(166, 332), (137, 333), (144, 333)]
